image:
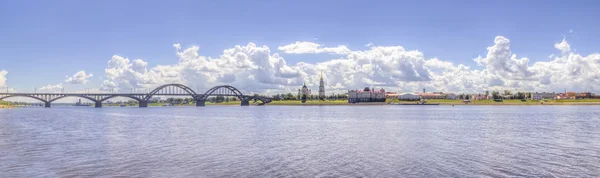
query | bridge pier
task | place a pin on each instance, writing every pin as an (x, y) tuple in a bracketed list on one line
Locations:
[(245, 102), (200, 103), (98, 104), (47, 104), (143, 104)]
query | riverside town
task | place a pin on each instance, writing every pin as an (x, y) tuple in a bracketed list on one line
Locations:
[(309, 88), (366, 96)]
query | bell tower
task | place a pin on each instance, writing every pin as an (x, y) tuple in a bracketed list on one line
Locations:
[(321, 88)]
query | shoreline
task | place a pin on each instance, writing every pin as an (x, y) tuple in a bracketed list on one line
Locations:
[(546, 104), (340, 103), (6, 107)]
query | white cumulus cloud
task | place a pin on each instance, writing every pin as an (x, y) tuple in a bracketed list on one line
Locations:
[(51, 88), (3, 77), (502, 62), (78, 78), (256, 68), (563, 46), (304, 47)]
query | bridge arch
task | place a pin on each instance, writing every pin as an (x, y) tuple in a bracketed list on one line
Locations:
[(27, 96), (78, 96), (264, 100), (187, 89), (223, 88), (121, 95)]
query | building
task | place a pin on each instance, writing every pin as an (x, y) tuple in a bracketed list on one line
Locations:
[(432, 95), (563, 96), (304, 91), (542, 95), (366, 95), (321, 88), (409, 97), (586, 95), (391, 95), (480, 97), (451, 96)]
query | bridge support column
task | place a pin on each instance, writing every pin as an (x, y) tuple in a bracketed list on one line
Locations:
[(200, 103), (245, 102), (47, 104), (98, 104), (143, 104)]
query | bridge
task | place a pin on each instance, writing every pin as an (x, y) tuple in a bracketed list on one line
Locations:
[(144, 98)]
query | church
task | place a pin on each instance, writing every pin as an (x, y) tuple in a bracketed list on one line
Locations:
[(306, 91)]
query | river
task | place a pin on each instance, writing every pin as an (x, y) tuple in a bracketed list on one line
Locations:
[(297, 141)]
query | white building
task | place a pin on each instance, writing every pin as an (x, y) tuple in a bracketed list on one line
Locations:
[(480, 97), (409, 96), (451, 96), (542, 96), (304, 91), (366, 95), (434, 95)]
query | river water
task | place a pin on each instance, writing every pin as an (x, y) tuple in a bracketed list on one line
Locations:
[(301, 141)]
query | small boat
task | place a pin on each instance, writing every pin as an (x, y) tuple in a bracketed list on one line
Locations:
[(122, 105)]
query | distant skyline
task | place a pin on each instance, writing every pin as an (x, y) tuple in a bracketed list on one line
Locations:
[(275, 46)]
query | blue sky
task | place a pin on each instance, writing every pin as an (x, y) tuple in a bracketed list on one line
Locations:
[(44, 41)]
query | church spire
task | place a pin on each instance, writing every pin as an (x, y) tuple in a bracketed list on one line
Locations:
[(321, 88)]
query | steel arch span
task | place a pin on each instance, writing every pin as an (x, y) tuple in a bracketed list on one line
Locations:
[(134, 97), (78, 96), (144, 98), (223, 90), (27, 96), (156, 91)]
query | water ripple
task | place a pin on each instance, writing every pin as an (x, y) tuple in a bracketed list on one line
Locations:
[(273, 141)]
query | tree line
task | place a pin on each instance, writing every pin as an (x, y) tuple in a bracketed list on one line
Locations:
[(290, 96)]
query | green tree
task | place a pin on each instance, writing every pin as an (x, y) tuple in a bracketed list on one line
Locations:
[(255, 97), (520, 95), (304, 97), (131, 102), (178, 100), (342, 96), (290, 96), (219, 99), (507, 93), (496, 95)]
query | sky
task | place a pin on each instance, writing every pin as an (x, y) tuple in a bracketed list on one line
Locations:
[(273, 46)]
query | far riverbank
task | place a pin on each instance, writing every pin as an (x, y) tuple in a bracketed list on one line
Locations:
[(513, 102), (6, 106), (389, 102)]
